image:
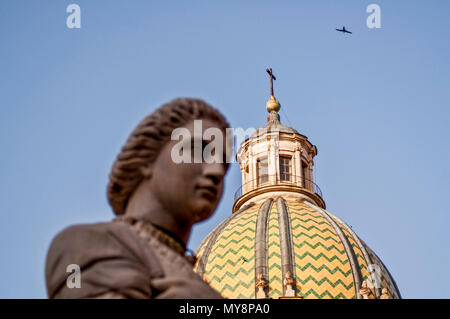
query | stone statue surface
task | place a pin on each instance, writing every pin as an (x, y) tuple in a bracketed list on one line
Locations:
[(364, 291), (385, 294), (289, 284), (141, 253), (260, 284)]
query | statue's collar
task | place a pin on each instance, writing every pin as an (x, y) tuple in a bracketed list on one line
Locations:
[(163, 236)]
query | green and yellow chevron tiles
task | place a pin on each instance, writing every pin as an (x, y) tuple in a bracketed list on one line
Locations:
[(359, 258), (230, 266), (274, 255), (322, 266), (386, 280), (201, 250)]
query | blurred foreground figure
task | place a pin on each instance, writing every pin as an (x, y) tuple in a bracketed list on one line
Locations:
[(156, 199)]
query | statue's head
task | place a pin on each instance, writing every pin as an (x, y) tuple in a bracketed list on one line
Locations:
[(190, 190)]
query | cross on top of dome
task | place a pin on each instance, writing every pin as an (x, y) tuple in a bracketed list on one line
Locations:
[(272, 77), (272, 104)]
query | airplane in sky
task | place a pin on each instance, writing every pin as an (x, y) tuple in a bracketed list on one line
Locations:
[(343, 30)]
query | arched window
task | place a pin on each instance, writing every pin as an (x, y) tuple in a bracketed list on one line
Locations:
[(262, 167), (285, 168)]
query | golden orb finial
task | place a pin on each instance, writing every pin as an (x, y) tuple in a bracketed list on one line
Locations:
[(272, 104)]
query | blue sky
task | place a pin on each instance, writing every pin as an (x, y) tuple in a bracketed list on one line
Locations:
[(376, 104)]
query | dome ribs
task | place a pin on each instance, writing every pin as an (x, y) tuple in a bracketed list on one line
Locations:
[(366, 255), (287, 256), (212, 239), (356, 272), (232, 256), (261, 242), (254, 252), (366, 270), (387, 281), (391, 278)]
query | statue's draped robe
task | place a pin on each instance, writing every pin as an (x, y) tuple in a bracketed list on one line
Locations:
[(116, 261)]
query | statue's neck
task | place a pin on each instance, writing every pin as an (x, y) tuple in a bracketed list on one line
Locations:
[(143, 205)]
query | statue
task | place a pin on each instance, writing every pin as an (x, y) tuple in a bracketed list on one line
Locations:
[(385, 294), (260, 284), (364, 291), (289, 284), (142, 252)]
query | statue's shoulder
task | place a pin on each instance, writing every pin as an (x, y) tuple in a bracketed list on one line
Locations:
[(88, 243), (111, 249), (93, 238), (75, 235), (74, 230)]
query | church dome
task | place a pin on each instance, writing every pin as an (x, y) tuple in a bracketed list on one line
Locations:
[(280, 241), (276, 236)]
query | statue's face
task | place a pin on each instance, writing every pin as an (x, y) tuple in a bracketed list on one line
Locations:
[(189, 191)]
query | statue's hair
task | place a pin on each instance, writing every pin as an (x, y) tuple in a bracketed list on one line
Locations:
[(146, 141)]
